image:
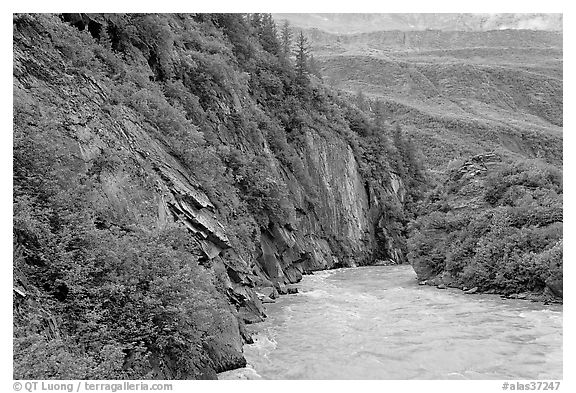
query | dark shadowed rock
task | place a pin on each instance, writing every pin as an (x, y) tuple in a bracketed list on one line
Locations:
[(292, 290), (556, 287), (281, 288), (246, 336), (448, 280), (267, 292)]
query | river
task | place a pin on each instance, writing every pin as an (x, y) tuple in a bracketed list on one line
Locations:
[(378, 323)]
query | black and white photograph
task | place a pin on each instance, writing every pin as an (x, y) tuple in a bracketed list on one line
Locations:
[(286, 196)]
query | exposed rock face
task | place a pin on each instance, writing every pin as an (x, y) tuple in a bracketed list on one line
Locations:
[(474, 166), (339, 230), (340, 216), (140, 177), (447, 39)]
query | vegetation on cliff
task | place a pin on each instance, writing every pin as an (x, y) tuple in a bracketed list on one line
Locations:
[(492, 221), (128, 129)]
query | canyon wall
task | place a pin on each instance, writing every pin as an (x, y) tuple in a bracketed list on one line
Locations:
[(136, 182)]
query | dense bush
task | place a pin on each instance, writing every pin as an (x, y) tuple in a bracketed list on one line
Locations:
[(116, 292), (512, 243)]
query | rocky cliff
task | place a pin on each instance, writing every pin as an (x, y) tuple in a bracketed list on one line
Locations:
[(161, 124)]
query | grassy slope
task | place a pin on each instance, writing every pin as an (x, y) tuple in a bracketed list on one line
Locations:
[(454, 96)]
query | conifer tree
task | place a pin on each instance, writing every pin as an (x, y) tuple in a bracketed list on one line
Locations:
[(256, 21), (409, 164), (286, 42), (268, 35), (398, 143), (104, 39), (302, 51)]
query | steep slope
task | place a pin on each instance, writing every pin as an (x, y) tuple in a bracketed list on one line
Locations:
[(457, 93), (168, 168)]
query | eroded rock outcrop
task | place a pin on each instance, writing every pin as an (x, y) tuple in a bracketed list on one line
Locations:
[(138, 183)]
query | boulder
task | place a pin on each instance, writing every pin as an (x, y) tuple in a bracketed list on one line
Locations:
[(471, 291), (268, 292), (293, 273), (246, 336), (292, 290), (435, 281), (281, 288), (250, 309), (248, 316)]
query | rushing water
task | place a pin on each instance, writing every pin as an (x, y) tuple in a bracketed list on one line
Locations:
[(378, 323)]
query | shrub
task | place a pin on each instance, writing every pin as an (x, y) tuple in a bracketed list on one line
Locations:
[(510, 244)]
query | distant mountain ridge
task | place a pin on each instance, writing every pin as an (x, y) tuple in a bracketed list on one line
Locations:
[(331, 43), (369, 22)]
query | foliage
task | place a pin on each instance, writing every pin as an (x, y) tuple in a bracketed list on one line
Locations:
[(302, 53), (125, 296), (507, 99), (511, 243)]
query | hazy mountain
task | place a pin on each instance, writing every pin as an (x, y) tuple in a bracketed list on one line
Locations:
[(362, 23), (457, 93)]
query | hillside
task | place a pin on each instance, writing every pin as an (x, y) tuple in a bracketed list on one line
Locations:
[(170, 171), (457, 93)]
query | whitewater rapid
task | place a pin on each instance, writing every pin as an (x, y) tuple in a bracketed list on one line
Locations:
[(378, 323)]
